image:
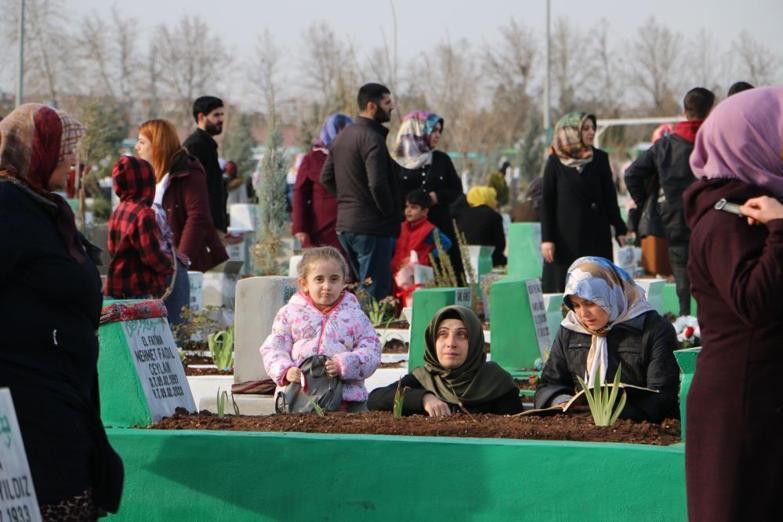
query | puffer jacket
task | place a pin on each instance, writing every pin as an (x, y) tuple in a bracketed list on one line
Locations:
[(643, 346), (344, 334)]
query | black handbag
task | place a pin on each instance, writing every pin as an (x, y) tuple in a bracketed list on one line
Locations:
[(650, 221), (320, 390)]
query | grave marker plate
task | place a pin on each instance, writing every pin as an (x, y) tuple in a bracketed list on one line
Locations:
[(538, 311), (159, 368), (17, 494), (462, 297), (196, 281)]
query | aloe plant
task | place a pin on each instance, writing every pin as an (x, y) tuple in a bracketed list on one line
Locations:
[(602, 398), (221, 345), (222, 397)]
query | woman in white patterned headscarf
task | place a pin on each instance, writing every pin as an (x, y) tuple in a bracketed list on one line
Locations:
[(611, 325)]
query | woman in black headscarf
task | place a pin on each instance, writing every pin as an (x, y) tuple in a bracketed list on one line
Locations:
[(456, 375)]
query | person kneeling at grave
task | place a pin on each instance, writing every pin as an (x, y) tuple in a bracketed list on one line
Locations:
[(456, 375), (610, 326), (321, 330)]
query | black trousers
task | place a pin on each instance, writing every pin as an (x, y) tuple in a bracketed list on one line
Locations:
[(678, 259)]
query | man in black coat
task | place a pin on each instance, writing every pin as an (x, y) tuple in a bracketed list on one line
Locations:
[(360, 172), (668, 161), (208, 113)]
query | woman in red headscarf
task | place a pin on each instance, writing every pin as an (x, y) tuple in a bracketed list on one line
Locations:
[(50, 304)]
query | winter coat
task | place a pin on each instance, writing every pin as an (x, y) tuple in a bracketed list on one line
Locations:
[(187, 207), (344, 334), (50, 306), (138, 267), (204, 148), (577, 210), (314, 208), (668, 160), (483, 225), (734, 448), (643, 346), (360, 172), (441, 178), (382, 399)]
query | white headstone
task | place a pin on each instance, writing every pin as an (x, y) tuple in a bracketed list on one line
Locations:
[(17, 494), (160, 371), (293, 265), (244, 216), (653, 290), (257, 301), (538, 311)]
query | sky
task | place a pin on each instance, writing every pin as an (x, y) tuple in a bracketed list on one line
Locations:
[(424, 23)]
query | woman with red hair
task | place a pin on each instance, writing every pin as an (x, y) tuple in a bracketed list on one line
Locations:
[(181, 191)]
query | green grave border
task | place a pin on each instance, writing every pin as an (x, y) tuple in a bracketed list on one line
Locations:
[(238, 476)]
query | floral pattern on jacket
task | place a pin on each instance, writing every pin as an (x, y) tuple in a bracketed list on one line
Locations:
[(344, 334)]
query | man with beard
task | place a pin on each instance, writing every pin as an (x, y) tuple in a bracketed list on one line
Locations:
[(208, 113), (360, 172)]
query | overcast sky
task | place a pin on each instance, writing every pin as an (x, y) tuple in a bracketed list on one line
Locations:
[(423, 23)]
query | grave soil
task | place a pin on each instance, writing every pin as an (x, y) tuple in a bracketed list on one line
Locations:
[(573, 427)]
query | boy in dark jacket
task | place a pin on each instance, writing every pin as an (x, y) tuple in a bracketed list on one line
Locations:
[(139, 267), (668, 161)]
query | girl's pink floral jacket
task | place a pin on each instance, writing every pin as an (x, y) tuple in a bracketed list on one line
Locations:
[(343, 334)]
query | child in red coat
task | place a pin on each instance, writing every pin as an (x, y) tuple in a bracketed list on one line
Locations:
[(416, 235)]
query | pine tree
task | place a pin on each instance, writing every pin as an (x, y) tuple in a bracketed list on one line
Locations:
[(239, 144), (269, 248)]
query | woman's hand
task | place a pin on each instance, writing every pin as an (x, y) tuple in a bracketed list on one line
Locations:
[(548, 251), (434, 406), (293, 374), (434, 198), (332, 370), (762, 210), (621, 240)]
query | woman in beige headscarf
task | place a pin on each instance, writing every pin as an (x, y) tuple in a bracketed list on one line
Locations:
[(50, 304)]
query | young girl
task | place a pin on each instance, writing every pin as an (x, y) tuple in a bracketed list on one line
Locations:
[(323, 319)]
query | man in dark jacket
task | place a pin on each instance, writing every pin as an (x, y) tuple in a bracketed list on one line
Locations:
[(208, 113), (360, 172), (668, 161)]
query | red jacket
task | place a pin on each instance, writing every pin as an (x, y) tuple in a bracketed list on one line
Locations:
[(315, 208), (187, 208), (138, 266), (413, 236)]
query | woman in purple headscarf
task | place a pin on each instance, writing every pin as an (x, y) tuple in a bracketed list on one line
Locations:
[(734, 439), (315, 208)]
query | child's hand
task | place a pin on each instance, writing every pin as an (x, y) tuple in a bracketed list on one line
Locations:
[(293, 374), (332, 370)]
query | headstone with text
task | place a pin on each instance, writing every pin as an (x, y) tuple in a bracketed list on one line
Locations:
[(140, 373), (17, 494), (196, 280)]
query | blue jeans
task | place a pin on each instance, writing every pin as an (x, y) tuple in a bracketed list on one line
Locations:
[(370, 257), (180, 295)]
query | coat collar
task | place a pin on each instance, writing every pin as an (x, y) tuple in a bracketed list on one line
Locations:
[(374, 125)]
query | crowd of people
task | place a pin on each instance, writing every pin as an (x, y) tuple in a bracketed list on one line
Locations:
[(361, 210)]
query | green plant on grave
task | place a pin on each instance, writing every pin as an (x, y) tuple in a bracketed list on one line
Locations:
[(380, 313), (221, 346), (605, 402), (222, 397), (317, 408), (399, 398)]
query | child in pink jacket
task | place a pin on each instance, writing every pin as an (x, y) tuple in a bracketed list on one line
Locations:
[(323, 319)]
